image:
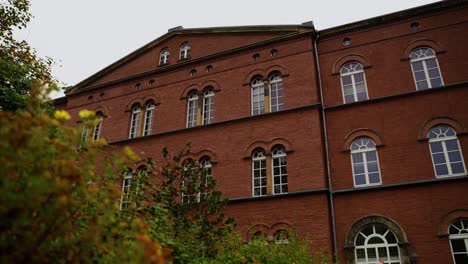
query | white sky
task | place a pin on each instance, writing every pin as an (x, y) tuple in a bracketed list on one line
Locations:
[(84, 36)]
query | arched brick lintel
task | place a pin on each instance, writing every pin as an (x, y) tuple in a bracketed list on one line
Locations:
[(142, 101), (189, 89), (203, 153), (447, 219), (444, 120), (264, 73), (350, 57), (422, 42), (361, 132), (268, 146)]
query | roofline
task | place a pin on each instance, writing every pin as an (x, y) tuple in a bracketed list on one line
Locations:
[(401, 15), (179, 31)]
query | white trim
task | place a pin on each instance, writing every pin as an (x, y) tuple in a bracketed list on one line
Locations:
[(259, 85), (259, 159), (352, 74), (363, 152), (192, 102), (423, 61), (134, 122)]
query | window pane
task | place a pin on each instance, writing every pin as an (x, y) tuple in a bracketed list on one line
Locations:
[(382, 252), (441, 169), (360, 254), (451, 145), (419, 75), (433, 73), (374, 178), (371, 156), (457, 167), (284, 188), (357, 158), (360, 179), (359, 77), (284, 179), (438, 158), (372, 167), (349, 98), (371, 254), (461, 259), (360, 87), (458, 245), (431, 63), (454, 156), (417, 66), (358, 168), (437, 82), (362, 96), (348, 89), (436, 147), (422, 85), (346, 80), (394, 253)]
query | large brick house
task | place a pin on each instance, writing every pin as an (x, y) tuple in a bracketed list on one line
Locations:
[(353, 136)]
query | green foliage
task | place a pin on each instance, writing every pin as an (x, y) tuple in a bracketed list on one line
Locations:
[(56, 206), (22, 73)]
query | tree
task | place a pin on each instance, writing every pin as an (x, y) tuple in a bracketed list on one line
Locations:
[(21, 71)]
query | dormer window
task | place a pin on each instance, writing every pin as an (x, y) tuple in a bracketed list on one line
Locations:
[(164, 56), (185, 51)]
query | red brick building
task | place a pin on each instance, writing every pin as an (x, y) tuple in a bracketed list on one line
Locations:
[(353, 136)]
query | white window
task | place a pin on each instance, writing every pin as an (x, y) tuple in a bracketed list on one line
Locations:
[(192, 110), (425, 67), (205, 163), (280, 170), (365, 162), (458, 235), (164, 56), (353, 82), (126, 185), (445, 150), (259, 173), (84, 134), (208, 106), (258, 96), (376, 242), (185, 51), (276, 93), (134, 121), (148, 124), (97, 128)]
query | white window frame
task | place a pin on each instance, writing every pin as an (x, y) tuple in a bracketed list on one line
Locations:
[(126, 185), (192, 103), (367, 246), (259, 158), (208, 100), (459, 236), (443, 141), (426, 72), (134, 122), (276, 83), (184, 51), (257, 83), (363, 152), (164, 56), (148, 121), (353, 81), (97, 128), (279, 153)]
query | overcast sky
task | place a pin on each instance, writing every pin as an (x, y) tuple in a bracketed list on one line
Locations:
[(84, 36)]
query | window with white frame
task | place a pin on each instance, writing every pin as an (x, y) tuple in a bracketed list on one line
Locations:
[(164, 56), (185, 51), (276, 92), (258, 96), (97, 128), (458, 236), (84, 134), (134, 121), (148, 123), (446, 154), (192, 110), (280, 170), (281, 237), (426, 71), (353, 82), (376, 242), (365, 162), (208, 106), (259, 173), (206, 165), (126, 189)]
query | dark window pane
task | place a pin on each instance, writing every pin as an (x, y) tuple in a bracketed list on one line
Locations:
[(371, 156), (285, 188), (436, 147), (264, 191), (372, 167), (358, 168), (451, 145), (346, 80), (284, 179), (357, 158), (362, 96), (371, 254), (461, 259), (438, 158), (277, 189), (454, 156), (264, 181), (276, 180), (422, 85), (458, 245), (359, 77), (433, 73), (437, 82), (417, 66), (360, 179), (256, 182), (276, 171), (420, 76), (349, 98), (284, 170), (431, 63), (374, 178), (441, 169), (457, 168)]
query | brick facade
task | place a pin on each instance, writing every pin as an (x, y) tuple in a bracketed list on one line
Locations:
[(323, 205)]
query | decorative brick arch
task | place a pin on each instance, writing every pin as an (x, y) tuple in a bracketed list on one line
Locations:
[(280, 141), (361, 132), (263, 228), (189, 89), (424, 129), (204, 153), (447, 219), (152, 97), (211, 83), (280, 226), (134, 101), (347, 58), (277, 68), (422, 42), (251, 75), (102, 109), (255, 145), (377, 219)]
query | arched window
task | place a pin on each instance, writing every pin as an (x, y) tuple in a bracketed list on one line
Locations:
[(280, 170), (97, 128), (192, 109), (425, 68), (164, 56), (134, 121), (376, 242), (185, 51), (445, 150), (281, 237), (148, 124), (126, 185), (365, 162), (258, 96), (458, 235), (208, 106), (353, 82), (259, 173), (276, 92)]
